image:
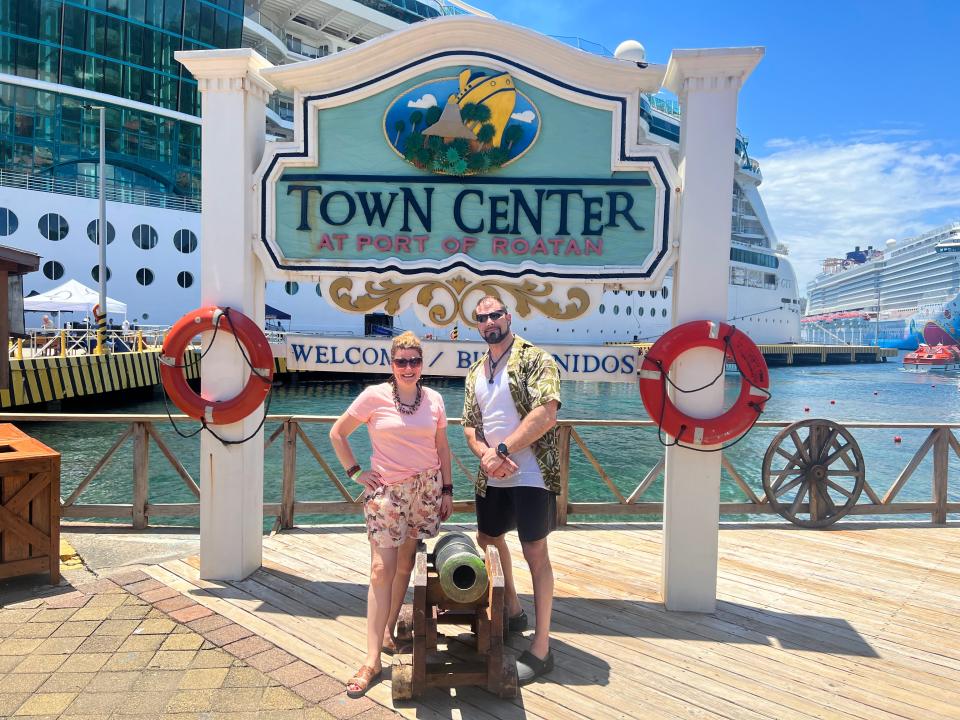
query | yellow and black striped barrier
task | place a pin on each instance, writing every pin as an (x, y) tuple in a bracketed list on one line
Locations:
[(49, 379)]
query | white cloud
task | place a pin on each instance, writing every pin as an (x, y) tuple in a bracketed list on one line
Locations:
[(427, 101), (526, 116), (824, 197)]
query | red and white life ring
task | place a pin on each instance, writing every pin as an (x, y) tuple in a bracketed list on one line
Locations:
[(254, 342), (704, 431)]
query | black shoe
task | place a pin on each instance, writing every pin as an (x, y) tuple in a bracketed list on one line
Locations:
[(517, 623), (530, 667)]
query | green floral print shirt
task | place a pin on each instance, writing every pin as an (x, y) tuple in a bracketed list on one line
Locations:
[(534, 380)]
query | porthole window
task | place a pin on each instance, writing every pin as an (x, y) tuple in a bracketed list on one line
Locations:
[(8, 222), (641, 293), (616, 309), (664, 293), (184, 279), (653, 312), (629, 310), (185, 241), (320, 292), (145, 237), (52, 270), (640, 311), (629, 293), (92, 231), (602, 309), (663, 312), (291, 288), (95, 273), (144, 276), (53, 227)]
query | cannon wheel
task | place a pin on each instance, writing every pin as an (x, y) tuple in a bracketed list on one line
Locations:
[(819, 474)]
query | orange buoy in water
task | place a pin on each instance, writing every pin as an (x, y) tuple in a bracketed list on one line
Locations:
[(833, 402), (806, 409), (897, 438)]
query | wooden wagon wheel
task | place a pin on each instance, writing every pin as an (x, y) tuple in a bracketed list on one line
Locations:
[(822, 477)]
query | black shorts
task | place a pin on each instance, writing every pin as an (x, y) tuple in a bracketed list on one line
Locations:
[(531, 511)]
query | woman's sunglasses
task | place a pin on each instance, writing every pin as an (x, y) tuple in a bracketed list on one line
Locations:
[(408, 362), (495, 315)]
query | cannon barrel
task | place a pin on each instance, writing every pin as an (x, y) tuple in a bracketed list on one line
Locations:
[(462, 570)]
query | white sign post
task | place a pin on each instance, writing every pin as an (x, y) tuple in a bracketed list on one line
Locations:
[(233, 98), (707, 83)]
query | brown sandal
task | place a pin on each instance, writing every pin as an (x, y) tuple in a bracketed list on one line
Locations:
[(364, 678), (389, 645)]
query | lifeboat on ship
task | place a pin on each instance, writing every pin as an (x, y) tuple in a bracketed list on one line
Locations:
[(938, 358)]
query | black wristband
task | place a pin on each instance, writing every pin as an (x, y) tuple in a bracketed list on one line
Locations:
[(352, 470), (447, 490)]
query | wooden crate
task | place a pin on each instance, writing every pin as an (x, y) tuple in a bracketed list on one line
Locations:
[(29, 506)]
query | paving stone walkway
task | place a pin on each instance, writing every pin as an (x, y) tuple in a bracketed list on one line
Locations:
[(130, 647)]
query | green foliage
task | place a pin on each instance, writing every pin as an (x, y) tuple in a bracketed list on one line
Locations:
[(512, 134), (468, 112), (415, 117), (458, 156), (486, 133), (481, 113), (433, 114)]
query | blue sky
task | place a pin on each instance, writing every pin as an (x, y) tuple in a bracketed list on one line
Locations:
[(854, 112)]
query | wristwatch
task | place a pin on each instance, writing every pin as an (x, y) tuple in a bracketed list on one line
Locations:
[(503, 450)]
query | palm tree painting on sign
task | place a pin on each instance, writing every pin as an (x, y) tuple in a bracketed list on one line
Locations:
[(470, 124)]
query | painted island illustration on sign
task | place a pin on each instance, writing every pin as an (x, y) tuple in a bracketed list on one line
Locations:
[(466, 125)]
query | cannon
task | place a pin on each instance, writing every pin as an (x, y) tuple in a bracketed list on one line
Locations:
[(454, 585)]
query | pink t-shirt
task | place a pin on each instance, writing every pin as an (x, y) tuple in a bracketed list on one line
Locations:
[(403, 445)]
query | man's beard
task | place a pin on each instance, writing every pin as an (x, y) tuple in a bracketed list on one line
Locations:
[(495, 335)]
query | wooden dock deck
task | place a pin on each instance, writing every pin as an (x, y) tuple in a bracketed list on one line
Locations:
[(859, 622)]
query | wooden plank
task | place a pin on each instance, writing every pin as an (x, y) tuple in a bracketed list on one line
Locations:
[(563, 500), (647, 481), (14, 545), (98, 467), (941, 468), (288, 491), (911, 466), (326, 468), (141, 475), (173, 460), (596, 466), (28, 566)]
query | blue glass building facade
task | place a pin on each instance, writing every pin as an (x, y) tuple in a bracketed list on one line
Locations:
[(121, 48)]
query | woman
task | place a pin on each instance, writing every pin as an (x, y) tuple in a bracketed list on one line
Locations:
[(408, 488)]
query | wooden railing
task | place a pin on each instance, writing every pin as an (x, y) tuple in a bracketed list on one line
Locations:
[(940, 440)]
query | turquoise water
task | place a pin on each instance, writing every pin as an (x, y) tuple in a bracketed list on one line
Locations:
[(875, 392)]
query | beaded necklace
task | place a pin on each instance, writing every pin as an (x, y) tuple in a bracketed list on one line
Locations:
[(495, 363), (403, 407)]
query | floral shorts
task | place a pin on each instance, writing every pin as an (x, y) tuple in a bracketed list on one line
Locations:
[(404, 510)]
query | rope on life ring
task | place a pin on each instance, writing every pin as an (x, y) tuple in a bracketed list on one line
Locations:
[(754, 384), (258, 356)]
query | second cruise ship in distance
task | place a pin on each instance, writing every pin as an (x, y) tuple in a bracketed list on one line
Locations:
[(49, 152), (897, 297)]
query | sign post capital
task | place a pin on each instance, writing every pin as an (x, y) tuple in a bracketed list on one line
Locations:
[(710, 69), (231, 69)]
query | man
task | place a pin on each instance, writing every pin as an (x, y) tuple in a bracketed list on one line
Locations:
[(510, 405)]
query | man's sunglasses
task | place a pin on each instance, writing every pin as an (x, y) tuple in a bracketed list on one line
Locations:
[(495, 315), (408, 362)]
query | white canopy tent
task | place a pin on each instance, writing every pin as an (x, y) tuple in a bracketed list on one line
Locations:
[(72, 296)]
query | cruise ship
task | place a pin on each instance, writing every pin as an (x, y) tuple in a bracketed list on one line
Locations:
[(60, 62), (897, 297)]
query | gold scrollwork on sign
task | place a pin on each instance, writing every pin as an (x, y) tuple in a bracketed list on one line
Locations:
[(444, 299)]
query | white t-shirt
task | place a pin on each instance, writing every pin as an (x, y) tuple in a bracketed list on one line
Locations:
[(500, 418)]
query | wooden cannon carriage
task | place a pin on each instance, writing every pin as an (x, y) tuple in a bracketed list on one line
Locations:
[(449, 587)]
